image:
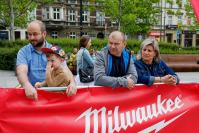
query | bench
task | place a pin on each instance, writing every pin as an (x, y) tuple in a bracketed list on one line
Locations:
[(182, 63)]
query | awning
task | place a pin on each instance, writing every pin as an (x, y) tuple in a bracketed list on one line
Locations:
[(155, 34)]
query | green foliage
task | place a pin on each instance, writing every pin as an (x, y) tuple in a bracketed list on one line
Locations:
[(21, 10), (171, 12), (178, 13), (8, 58), (135, 16), (8, 49), (169, 1), (190, 13), (66, 43)]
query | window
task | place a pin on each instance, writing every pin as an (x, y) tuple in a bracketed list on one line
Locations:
[(159, 20), (157, 4), (85, 2), (197, 39), (180, 19), (170, 20), (56, 13), (72, 35), (54, 34), (85, 15), (71, 15), (100, 18), (72, 1), (46, 13), (32, 15), (170, 5), (84, 33)]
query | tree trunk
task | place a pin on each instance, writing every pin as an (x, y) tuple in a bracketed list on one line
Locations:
[(12, 37)]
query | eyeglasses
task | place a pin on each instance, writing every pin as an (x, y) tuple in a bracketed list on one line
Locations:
[(33, 34)]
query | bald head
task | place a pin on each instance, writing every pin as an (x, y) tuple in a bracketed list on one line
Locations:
[(117, 35), (38, 24), (116, 43), (36, 34)]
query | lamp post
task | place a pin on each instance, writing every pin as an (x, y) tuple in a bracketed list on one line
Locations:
[(81, 18), (161, 21), (164, 21), (120, 14)]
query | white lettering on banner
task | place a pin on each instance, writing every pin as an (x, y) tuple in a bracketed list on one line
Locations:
[(158, 126), (127, 119)]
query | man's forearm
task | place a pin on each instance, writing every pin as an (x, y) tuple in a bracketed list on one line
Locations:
[(22, 77)]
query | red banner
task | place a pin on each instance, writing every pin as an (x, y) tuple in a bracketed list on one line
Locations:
[(159, 108), (195, 6)]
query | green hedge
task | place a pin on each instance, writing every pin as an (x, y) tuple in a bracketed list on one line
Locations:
[(9, 49), (8, 58)]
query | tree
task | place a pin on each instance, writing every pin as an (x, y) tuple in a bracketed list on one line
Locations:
[(15, 13), (190, 14), (132, 16)]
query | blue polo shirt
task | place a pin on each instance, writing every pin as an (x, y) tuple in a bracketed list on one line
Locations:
[(36, 62)]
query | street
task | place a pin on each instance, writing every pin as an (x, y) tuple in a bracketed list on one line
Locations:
[(9, 80)]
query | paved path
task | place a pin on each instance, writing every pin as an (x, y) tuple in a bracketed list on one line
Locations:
[(8, 78)]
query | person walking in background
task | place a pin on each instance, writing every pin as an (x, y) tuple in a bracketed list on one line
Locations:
[(150, 68), (57, 74), (92, 53), (72, 62), (113, 65), (84, 59), (133, 56), (31, 62)]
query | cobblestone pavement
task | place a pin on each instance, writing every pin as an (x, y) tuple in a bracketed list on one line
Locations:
[(8, 78)]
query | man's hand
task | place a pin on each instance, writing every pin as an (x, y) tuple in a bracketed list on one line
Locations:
[(71, 89), (131, 83), (30, 91)]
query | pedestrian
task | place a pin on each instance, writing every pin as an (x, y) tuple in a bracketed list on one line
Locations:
[(150, 68), (113, 65), (31, 61), (72, 62), (84, 62)]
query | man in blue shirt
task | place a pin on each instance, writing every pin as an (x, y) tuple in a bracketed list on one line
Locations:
[(31, 62)]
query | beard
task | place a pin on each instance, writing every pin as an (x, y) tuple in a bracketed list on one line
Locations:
[(37, 44)]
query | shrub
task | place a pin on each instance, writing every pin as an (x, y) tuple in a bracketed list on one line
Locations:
[(8, 58), (9, 49)]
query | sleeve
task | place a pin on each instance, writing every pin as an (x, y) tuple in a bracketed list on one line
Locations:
[(100, 76), (132, 71), (169, 71), (87, 58), (143, 76), (22, 57)]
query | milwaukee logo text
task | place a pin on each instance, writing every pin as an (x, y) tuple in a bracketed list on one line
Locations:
[(114, 120)]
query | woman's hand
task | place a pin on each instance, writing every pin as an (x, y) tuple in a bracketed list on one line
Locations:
[(169, 79)]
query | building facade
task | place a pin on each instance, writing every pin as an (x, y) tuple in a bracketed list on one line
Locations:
[(173, 24), (62, 19)]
